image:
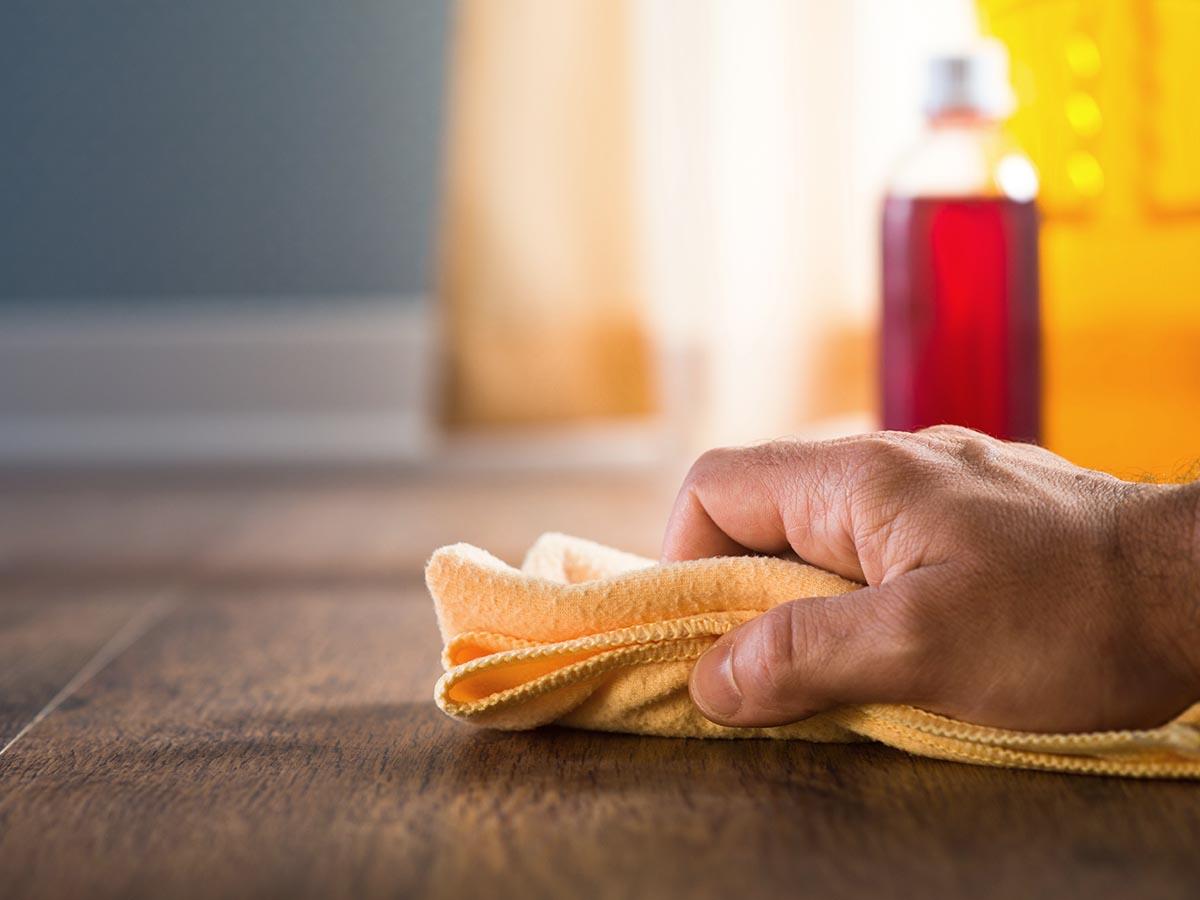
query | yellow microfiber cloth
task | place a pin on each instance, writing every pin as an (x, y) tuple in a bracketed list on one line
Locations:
[(590, 637)]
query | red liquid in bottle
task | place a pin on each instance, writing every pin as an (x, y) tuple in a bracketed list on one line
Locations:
[(960, 315)]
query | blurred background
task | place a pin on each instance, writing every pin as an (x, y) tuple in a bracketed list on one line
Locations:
[(546, 233), (293, 292)]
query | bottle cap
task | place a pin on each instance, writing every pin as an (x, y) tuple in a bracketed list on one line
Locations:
[(974, 82)]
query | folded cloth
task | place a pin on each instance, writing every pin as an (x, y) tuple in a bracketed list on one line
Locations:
[(590, 637)]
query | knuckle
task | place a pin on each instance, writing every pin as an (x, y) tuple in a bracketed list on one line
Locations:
[(710, 464), (892, 469), (978, 451), (778, 453), (973, 448), (888, 450), (950, 432), (907, 630), (905, 623), (718, 464)]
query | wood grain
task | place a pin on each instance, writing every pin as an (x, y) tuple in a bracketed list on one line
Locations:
[(316, 524), (272, 735), (47, 635)]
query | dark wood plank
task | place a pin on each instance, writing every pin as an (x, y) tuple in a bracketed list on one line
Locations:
[(279, 741), (316, 524), (48, 633), (387, 526), (57, 525)]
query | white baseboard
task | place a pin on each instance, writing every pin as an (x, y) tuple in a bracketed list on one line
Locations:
[(330, 379)]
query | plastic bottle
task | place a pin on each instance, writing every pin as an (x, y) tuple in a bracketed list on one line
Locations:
[(961, 341)]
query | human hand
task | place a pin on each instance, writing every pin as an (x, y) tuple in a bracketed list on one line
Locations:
[(1005, 586)]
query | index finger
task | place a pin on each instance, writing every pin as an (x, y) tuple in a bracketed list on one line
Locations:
[(768, 499)]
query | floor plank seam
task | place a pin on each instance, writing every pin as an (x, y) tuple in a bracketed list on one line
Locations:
[(125, 637)]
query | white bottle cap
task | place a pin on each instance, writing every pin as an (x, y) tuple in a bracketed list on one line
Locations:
[(975, 81)]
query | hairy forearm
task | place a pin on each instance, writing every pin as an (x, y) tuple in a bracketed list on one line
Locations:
[(1189, 506), (1190, 494), (1189, 513), (1160, 544)]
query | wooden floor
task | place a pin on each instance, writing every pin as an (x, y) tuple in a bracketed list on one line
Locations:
[(216, 686)]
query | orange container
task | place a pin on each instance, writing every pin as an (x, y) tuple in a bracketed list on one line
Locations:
[(1109, 110)]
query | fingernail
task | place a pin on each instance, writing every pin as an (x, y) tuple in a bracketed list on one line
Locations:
[(712, 685)]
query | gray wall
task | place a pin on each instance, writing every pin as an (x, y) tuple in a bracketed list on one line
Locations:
[(167, 149)]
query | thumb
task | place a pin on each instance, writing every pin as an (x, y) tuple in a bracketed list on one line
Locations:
[(806, 656)]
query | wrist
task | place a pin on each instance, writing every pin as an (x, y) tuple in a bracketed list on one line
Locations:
[(1159, 543)]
